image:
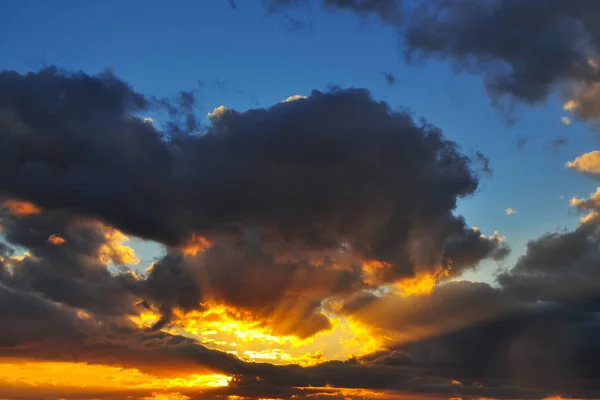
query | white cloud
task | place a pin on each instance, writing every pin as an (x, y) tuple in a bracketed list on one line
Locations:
[(509, 211), (565, 120)]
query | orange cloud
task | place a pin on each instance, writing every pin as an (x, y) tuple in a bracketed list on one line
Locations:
[(421, 283), (195, 245), (21, 208), (587, 163), (56, 240)]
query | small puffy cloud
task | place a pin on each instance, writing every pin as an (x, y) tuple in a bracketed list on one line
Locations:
[(496, 237), (588, 163), (565, 120), (148, 120), (570, 105), (590, 206), (56, 240), (217, 112), (294, 97), (21, 208), (509, 211)]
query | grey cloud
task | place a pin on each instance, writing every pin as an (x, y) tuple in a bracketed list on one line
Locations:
[(547, 45), (562, 267), (534, 330)]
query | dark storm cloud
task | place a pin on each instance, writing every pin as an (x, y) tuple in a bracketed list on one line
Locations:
[(544, 347), (523, 49), (70, 141), (563, 267), (336, 167)]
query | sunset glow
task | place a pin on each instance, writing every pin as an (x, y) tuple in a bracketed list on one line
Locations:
[(89, 376)]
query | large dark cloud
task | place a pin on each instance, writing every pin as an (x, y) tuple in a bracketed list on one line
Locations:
[(335, 168)]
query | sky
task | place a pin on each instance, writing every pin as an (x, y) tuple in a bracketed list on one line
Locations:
[(299, 199)]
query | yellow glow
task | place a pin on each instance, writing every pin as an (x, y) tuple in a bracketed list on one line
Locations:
[(362, 339), (418, 285), (243, 335), (84, 375), (570, 105), (371, 271), (145, 319), (217, 112), (224, 319), (591, 216), (56, 240), (21, 208), (195, 245), (167, 396)]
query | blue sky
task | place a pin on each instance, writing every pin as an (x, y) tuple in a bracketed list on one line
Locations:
[(161, 49)]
